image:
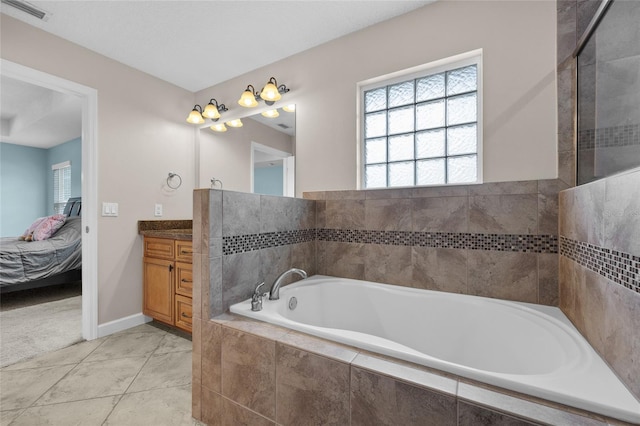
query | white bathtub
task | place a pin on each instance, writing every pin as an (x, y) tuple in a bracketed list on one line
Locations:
[(527, 348)]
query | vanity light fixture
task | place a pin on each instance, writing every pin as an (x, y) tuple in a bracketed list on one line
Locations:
[(195, 116), (212, 111), (272, 113), (220, 127), (234, 123), (270, 93), (249, 97), (289, 108)]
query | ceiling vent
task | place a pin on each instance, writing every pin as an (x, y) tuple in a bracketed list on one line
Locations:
[(26, 8), (284, 126)]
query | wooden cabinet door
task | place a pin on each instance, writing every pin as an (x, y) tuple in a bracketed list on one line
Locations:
[(158, 286), (183, 313), (160, 248), (184, 279)]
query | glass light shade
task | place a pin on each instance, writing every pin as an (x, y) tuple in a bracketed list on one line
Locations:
[(272, 113), (220, 127), (235, 123), (289, 108), (270, 93), (211, 111), (195, 117), (248, 99)]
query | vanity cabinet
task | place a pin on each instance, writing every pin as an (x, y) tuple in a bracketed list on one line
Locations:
[(168, 281)]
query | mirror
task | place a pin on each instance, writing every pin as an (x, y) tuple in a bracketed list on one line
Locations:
[(257, 157)]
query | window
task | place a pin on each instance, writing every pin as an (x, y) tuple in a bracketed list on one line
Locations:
[(61, 185), (423, 129)]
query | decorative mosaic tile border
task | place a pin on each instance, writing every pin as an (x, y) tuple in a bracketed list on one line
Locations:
[(609, 136), (619, 267), (495, 242)]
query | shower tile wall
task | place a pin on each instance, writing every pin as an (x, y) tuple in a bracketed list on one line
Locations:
[(496, 240), (600, 269)]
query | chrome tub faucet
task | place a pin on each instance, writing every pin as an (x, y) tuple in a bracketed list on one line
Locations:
[(274, 294)]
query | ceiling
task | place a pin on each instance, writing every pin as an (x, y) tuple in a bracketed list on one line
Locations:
[(197, 44)]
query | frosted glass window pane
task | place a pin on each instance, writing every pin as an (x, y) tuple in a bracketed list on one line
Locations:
[(430, 144), (430, 115), (401, 174), (375, 125), (401, 94), (401, 148), (462, 80), (375, 100), (431, 87), (462, 169), (430, 172), (401, 120), (461, 109), (462, 140), (375, 176), (375, 150)]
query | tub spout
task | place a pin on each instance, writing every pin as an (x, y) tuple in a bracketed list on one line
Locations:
[(274, 294)]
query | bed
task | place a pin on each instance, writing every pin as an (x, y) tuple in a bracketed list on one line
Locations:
[(56, 260)]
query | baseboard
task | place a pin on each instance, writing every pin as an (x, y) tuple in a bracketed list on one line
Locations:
[(122, 324)]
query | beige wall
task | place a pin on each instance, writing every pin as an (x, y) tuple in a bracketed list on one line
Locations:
[(518, 40), (142, 136), (227, 156)]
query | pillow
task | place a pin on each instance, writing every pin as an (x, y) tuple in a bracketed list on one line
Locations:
[(48, 227), (29, 232)]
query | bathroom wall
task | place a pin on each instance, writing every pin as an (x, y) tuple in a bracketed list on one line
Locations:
[(600, 269), (495, 240)]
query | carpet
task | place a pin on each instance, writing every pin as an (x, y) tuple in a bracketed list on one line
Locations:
[(33, 330)]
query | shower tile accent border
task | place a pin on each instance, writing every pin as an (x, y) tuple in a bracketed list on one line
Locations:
[(524, 243), (606, 137), (619, 267)]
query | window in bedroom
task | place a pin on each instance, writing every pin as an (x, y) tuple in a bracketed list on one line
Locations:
[(423, 128), (61, 185)]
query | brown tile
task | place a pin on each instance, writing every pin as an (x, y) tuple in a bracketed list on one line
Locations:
[(472, 415), (303, 256), (567, 167), (273, 262), (622, 213), (344, 195), (505, 188), (622, 338), (345, 214), (198, 217), (200, 273), (212, 302), (257, 328), (381, 400), (590, 305), (212, 356), (442, 214), (313, 195), (239, 213), (440, 269), (566, 29), (301, 397), (441, 191), (547, 214), (240, 275), (548, 290), (196, 353), (503, 214), (236, 415), (211, 408), (321, 214), (566, 108), (318, 346), (551, 187), (567, 284), (388, 215), (196, 399), (388, 264), (566, 214), (345, 260), (248, 371), (503, 275), (386, 194), (589, 212)]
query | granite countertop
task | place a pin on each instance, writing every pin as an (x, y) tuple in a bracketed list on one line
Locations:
[(174, 229)]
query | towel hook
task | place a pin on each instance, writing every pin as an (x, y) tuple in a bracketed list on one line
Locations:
[(214, 181), (170, 179)]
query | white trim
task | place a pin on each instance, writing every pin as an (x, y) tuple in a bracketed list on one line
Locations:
[(435, 67), (61, 165), (89, 98), (122, 324), (288, 172)]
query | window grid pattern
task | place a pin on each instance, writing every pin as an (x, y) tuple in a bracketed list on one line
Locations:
[(422, 131), (61, 188)]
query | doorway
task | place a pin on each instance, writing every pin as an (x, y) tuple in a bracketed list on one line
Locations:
[(89, 99), (272, 171)]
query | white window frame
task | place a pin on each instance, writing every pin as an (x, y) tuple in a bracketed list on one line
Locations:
[(58, 203), (450, 63)]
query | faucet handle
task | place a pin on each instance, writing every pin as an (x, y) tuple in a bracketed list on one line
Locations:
[(256, 299)]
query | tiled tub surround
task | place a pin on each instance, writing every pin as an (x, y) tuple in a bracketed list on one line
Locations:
[(261, 374), (532, 349), (495, 240), (599, 280)]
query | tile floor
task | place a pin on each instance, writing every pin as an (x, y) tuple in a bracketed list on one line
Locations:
[(141, 376)]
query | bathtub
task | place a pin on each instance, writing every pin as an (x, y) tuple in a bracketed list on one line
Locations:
[(523, 347)]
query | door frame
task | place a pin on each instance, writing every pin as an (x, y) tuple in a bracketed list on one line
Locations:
[(89, 98), (288, 167)]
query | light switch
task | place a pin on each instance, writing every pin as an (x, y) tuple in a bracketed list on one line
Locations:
[(158, 210), (110, 209)]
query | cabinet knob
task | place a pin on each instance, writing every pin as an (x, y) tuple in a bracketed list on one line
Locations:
[(184, 280), (184, 315), (170, 268)]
